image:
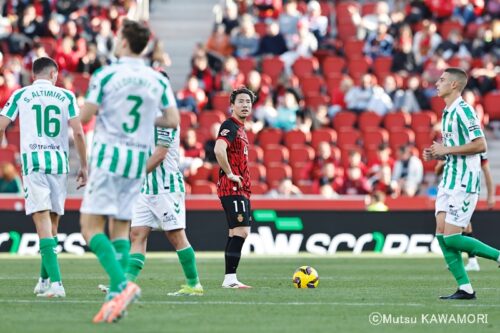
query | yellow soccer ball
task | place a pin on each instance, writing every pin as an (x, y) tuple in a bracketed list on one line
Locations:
[(305, 277)]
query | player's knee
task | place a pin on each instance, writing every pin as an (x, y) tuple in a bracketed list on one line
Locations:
[(177, 238), (241, 232), (137, 236)]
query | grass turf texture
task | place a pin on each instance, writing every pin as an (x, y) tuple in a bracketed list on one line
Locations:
[(350, 289)]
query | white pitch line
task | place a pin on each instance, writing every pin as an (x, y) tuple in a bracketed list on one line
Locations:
[(57, 301)]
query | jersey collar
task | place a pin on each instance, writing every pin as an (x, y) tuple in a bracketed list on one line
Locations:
[(42, 81), (131, 60), (454, 104), (237, 121)]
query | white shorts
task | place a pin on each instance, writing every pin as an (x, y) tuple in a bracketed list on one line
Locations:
[(44, 192), (458, 206), (165, 211), (110, 195)]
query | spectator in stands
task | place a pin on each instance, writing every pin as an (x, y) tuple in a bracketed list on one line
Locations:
[(94, 9), (464, 12), (105, 40), (230, 78), (425, 42), (71, 30), (380, 170), (337, 99), (266, 112), (267, 9), (470, 98), (432, 71), (67, 57), (358, 97), (245, 40), (314, 169), (286, 189), (402, 100), (90, 62), (415, 89), (53, 29), (303, 45), (229, 17), (260, 88), (376, 202), (192, 97), (10, 182), (189, 165), (355, 160), (210, 144), (66, 7), (380, 102), (158, 58), (219, 44), (36, 52), (288, 21), (484, 79), (321, 115), (288, 106), (318, 24), (8, 85), (203, 73), (441, 9), (306, 120), (453, 46), (354, 182), (273, 43), (484, 43), (369, 23), (329, 183), (379, 43), (192, 147), (29, 24), (408, 172), (403, 59)]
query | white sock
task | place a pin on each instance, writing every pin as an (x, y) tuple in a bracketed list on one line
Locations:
[(56, 284), (473, 261), (230, 278), (498, 259), (467, 288)]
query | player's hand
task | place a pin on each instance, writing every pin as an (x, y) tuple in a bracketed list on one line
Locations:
[(427, 154), (491, 202), (438, 150), (236, 179), (81, 178)]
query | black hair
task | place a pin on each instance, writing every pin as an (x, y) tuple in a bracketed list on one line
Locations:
[(42, 63), (242, 90)]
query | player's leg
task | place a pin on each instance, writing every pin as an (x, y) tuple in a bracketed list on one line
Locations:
[(119, 235), (44, 276), (187, 259), (49, 256), (139, 237), (472, 264)]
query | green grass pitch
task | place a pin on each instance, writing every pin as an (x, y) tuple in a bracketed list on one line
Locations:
[(350, 289)]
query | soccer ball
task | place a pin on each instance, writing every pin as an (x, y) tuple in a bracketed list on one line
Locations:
[(305, 277)]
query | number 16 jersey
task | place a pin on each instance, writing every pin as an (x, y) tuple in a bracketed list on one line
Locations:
[(128, 94)]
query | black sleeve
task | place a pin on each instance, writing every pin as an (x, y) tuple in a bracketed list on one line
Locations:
[(227, 131)]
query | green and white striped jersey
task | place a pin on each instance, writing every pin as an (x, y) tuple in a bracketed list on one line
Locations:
[(460, 126), (167, 177), (129, 93), (44, 111)]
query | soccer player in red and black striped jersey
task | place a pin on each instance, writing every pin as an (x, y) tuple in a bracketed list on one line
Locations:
[(233, 187)]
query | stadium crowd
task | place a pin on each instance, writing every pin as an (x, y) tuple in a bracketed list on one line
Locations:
[(346, 95)]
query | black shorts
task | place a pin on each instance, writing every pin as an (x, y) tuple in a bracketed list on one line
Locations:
[(238, 211)]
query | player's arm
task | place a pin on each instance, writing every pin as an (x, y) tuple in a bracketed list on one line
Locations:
[(489, 184), (156, 158), (439, 168), (4, 122), (79, 138), (170, 118), (220, 150), (88, 111), (476, 146)]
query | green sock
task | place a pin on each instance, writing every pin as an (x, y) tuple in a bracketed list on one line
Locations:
[(135, 265), (472, 246), (454, 260), (103, 249), (49, 259), (122, 248), (188, 262), (43, 272)]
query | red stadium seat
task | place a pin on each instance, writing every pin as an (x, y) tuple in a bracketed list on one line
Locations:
[(188, 120), (260, 28), (344, 119), (368, 8), (246, 65), (491, 104), (401, 137), (301, 155), (255, 154), (275, 154), (273, 67), (358, 67), (8, 154), (448, 26), (215, 173), (323, 134), (396, 120), (49, 44), (369, 120), (423, 121), (203, 187), (296, 137), (354, 49), (497, 190), (333, 64), (342, 10), (306, 187), (382, 66), (276, 173), (347, 31), (80, 82), (298, 173), (437, 105), (259, 188), (348, 138), (13, 136), (311, 85), (220, 101), (305, 66), (257, 172), (372, 138), (333, 81), (203, 173), (315, 101), (270, 136), (207, 118), (423, 139)]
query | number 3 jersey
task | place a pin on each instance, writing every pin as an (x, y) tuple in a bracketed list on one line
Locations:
[(128, 94), (44, 111)]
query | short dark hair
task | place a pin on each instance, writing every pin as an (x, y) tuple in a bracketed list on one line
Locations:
[(42, 63), (459, 74), (137, 34), (242, 90)]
